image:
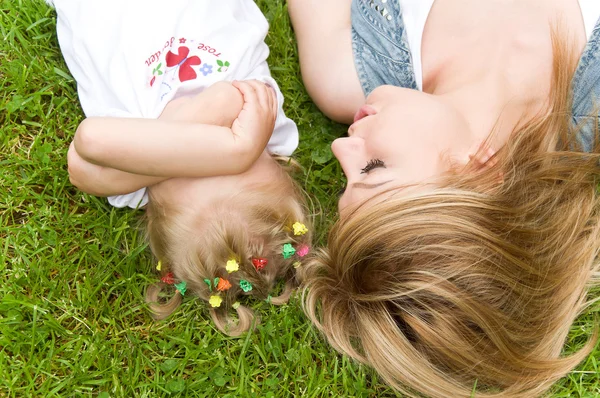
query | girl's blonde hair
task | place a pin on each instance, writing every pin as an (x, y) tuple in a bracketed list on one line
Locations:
[(253, 225), (471, 288)]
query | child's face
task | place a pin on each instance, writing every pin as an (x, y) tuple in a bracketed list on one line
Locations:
[(197, 193)]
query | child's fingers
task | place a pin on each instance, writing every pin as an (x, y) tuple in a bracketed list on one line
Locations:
[(258, 93), (273, 100), (248, 91), (262, 91)]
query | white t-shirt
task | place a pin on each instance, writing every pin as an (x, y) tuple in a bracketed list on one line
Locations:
[(130, 58), (415, 13)]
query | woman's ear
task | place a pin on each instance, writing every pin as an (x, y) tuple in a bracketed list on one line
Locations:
[(482, 158), (473, 159)]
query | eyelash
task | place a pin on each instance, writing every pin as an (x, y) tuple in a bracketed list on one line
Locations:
[(372, 164)]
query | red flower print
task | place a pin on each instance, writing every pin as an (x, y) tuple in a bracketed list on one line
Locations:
[(186, 72), (182, 41)]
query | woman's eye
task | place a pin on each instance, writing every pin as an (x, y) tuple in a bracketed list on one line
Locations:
[(372, 164)]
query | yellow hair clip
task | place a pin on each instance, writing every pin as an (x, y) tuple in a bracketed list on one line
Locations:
[(299, 228), (159, 265), (232, 266), (215, 301)]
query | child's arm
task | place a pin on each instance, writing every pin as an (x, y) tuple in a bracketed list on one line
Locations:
[(220, 104), (167, 148), (104, 181)]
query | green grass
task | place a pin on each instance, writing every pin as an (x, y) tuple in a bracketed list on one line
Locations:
[(74, 270)]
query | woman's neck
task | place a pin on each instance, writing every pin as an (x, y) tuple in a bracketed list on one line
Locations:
[(496, 66), (488, 106)]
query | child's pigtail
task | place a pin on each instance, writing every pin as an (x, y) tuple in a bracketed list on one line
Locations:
[(228, 325), (285, 295), (161, 311)]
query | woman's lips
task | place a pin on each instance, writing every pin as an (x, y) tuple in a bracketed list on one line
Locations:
[(364, 111)]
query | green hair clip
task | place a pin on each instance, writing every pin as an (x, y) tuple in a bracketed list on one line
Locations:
[(288, 250), (245, 285), (210, 284), (181, 287)]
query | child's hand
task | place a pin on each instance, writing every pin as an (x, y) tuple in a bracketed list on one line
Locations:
[(256, 121), (219, 105)]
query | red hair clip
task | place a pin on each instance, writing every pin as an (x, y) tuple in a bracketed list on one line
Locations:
[(169, 279), (259, 263)]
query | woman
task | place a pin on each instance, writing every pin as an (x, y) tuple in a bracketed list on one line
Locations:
[(469, 227)]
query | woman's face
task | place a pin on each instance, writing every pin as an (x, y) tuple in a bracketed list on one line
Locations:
[(399, 137)]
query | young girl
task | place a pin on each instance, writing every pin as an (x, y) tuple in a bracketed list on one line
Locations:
[(166, 129), (469, 230)]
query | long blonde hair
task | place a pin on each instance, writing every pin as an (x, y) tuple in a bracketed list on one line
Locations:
[(472, 287), (253, 225)]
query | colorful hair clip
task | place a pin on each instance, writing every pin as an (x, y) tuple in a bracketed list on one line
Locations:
[(245, 285), (169, 279), (181, 287), (299, 228), (212, 284), (236, 305), (297, 264), (159, 265), (288, 250), (215, 301), (232, 266), (268, 299), (302, 250), (259, 263), (223, 285)]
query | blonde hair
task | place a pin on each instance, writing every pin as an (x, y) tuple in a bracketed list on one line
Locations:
[(472, 287), (195, 248)]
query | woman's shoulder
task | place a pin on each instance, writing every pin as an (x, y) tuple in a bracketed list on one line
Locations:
[(380, 44), (586, 82), (586, 91)]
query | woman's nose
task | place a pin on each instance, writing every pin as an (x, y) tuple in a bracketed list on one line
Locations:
[(349, 151)]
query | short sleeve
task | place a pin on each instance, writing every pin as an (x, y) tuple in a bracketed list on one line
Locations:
[(135, 200)]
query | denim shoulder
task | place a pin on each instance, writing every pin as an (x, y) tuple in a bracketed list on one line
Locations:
[(586, 91), (380, 45)]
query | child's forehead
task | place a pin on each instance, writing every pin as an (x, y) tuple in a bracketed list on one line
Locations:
[(263, 177)]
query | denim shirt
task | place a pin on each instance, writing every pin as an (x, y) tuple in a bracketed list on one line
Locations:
[(382, 57)]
